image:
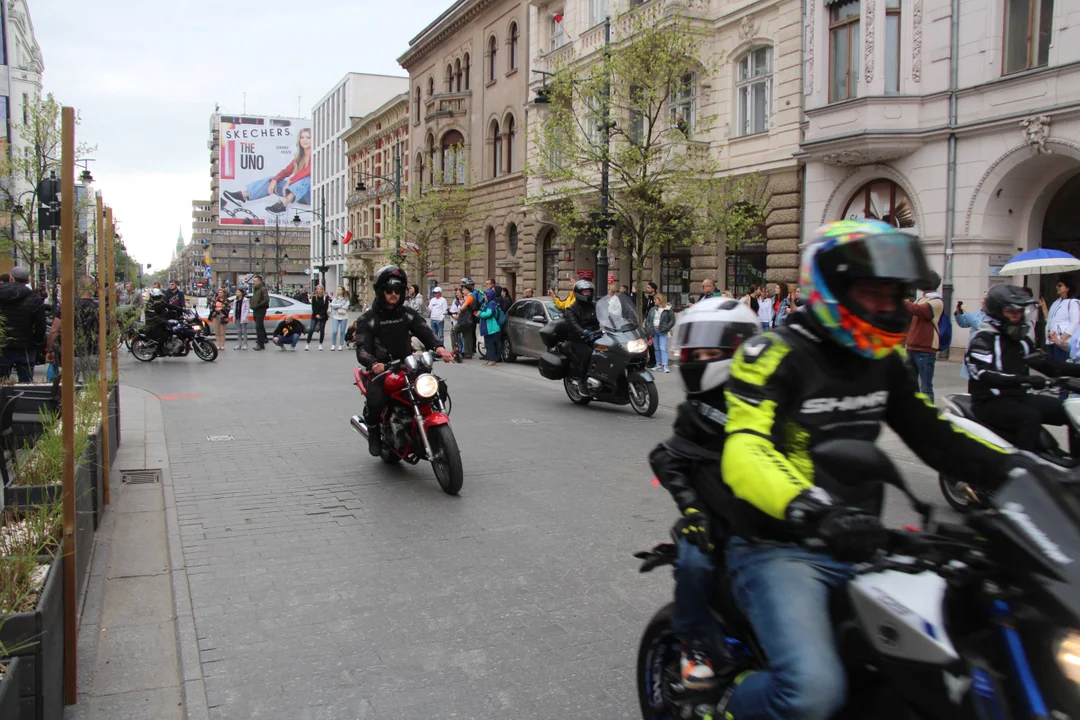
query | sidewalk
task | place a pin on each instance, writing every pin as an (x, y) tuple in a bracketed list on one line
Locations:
[(137, 652)]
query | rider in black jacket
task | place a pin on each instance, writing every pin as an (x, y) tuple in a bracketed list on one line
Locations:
[(583, 329), (385, 333), (998, 360)]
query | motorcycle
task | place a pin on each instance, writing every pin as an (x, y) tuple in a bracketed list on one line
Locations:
[(618, 372), (415, 421), (962, 496), (183, 337), (970, 622)]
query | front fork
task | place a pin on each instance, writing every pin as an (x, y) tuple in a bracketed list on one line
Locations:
[(419, 419)]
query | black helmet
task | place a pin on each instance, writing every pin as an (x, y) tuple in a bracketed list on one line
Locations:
[(390, 277), (1008, 297), (584, 292)]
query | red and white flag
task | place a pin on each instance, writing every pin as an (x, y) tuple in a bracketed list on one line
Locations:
[(345, 237), (558, 17)]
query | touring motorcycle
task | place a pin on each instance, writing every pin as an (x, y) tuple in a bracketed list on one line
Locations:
[(979, 621), (183, 337), (416, 419)]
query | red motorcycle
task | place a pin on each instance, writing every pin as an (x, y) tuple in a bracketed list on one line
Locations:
[(415, 421)]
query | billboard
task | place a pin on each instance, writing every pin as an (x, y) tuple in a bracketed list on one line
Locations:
[(265, 170)]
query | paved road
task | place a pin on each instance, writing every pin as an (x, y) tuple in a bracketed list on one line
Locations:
[(325, 584)]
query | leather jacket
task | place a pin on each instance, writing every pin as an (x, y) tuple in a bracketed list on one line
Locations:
[(581, 320), (688, 463), (997, 365), (384, 334)]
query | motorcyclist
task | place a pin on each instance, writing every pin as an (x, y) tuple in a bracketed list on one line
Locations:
[(385, 333), (157, 312), (707, 334), (998, 359), (583, 329), (834, 370)]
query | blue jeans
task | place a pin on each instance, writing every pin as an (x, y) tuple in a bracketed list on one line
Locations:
[(924, 364), (301, 189), (493, 343), (438, 327), (22, 361), (660, 341), (694, 572), (337, 327), (1061, 355), (784, 591), (290, 339)]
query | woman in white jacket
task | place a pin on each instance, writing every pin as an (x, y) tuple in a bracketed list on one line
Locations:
[(241, 308), (339, 316)]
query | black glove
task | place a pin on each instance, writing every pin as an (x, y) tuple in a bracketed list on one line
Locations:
[(695, 527), (1037, 382), (591, 336), (851, 534)]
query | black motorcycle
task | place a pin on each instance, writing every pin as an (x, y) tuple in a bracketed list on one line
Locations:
[(618, 373), (183, 336), (978, 621)]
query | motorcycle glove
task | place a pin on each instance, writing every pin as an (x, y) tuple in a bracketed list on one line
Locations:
[(851, 534), (1036, 382), (695, 528)]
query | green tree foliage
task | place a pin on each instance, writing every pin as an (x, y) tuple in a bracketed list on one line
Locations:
[(432, 223)]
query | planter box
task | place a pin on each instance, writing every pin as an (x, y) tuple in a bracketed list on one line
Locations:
[(42, 662), (95, 461), (34, 398), (114, 423), (11, 706)]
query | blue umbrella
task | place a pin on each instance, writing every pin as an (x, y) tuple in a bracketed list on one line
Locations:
[(1038, 261)]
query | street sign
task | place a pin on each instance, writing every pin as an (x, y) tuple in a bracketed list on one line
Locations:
[(586, 274), (610, 278), (207, 272)]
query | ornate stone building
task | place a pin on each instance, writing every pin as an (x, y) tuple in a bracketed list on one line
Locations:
[(753, 99), (469, 79)]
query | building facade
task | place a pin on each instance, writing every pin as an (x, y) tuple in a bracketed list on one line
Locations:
[(963, 129), (376, 145), (468, 85), (356, 95), (752, 101)]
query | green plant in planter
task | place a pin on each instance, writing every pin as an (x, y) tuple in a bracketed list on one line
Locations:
[(44, 463), (28, 542)]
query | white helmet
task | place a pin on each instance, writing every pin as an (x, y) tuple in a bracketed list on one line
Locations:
[(715, 323)]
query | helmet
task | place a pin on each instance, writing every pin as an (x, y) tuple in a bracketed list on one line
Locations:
[(468, 282), (847, 251), (1008, 297), (716, 323), (584, 292), (157, 293), (390, 277)]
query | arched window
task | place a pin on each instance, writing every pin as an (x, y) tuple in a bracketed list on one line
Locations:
[(493, 51), (449, 78), (453, 151), (416, 104), (496, 149), (882, 200), (513, 46), (509, 131), (754, 89), (550, 269), (431, 159), (466, 70), (491, 252), (430, 86), (420, 168), (457, 73), (683, 104), (512, 239)]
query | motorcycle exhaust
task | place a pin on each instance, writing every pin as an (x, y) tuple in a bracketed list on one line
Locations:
[(358, 425)]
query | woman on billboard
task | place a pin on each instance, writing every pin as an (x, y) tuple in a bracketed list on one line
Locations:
[(292, 184)]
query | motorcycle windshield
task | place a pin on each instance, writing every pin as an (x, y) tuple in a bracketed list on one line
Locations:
[(616, 313)]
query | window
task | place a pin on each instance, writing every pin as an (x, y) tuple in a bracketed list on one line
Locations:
[(551, 261), (598, 10), (466, 69), (882, 200), (684, 104), (491, 252), (754, 88), (555, 31), (449, 78), (493, 51), (496, 150), (512, 239), (1027, 34), (453, 149), (635, 129), (457, 73), (844, 49), (675, 275), (513, 46), (431, 159), (892, 46), (430, 86), (510, 133)]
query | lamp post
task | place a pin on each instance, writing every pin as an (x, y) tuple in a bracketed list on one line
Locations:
[(321, 214), (395, 182)]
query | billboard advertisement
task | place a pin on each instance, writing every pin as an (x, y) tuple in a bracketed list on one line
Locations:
[(265, 170)]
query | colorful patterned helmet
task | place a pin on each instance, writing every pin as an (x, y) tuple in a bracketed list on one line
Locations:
[(847, 251)]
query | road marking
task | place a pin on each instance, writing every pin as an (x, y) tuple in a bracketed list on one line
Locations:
[(185, 396)]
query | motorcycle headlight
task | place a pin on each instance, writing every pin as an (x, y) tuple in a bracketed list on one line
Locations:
[(637, 346), (411, 364), (427, 385), (1068, 655)]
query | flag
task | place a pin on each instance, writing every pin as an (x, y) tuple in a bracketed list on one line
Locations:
[(558, 18), (345, 237)]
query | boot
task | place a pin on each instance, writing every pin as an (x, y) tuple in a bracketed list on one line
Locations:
[(374, 438)]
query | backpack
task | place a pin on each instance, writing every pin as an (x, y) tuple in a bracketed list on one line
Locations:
[(478, 302), (500, 315), (944, 331)]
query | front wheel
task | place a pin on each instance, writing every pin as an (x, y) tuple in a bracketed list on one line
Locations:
[(658, 667), (576, 396), (447, 460), (145, 350), (644, 397), (205, 350)]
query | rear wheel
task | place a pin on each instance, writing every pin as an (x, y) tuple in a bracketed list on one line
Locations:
[(145, 350), (447, 460), (576, 396), (205, 350)]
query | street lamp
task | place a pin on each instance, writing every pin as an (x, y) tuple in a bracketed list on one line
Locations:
[(395, 182), (321, 214)]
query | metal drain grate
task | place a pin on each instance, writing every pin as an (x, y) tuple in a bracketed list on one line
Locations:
[(219, 438), (140, 477)]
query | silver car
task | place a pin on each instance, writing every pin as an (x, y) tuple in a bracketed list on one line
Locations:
[(524, 321)]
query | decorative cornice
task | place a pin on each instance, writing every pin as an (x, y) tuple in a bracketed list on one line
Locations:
[(435, 34)]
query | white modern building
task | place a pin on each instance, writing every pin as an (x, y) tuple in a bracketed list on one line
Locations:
[(356, 95)]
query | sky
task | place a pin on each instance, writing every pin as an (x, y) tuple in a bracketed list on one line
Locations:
[(145, 77)]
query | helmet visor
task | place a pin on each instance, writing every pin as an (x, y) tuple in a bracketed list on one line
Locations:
[(893, 256), (722, 335)]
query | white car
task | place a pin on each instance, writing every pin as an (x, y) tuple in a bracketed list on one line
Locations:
[(280, 306)]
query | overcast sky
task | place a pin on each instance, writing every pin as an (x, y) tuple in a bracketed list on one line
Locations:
[(145, 77)]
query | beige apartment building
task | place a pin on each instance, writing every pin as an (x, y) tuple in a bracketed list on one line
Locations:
[(468, 85), (373, 145), (753, 100)]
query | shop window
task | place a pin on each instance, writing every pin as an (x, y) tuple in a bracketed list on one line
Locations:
[(551, 261), (675, 276), (746, 262)]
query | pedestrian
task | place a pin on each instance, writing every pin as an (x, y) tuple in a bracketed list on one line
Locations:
[(795, 292), (22, 313), (708, 289), (339, 315), (750, 299), (561, 304), (414, 299), (320, 311), (971, 320), (466, 323), (783, 304), (923, 334), (504, 299), (437, 310), (1062, 320), (219, 317), (528, 292), (260, 301), (175, 296), (240, 311), (288, 332), (765, 309), (651, 289), (659, 322), (490, 327), (454, 312)]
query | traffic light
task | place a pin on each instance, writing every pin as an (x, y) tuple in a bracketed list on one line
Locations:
[(48, 193)]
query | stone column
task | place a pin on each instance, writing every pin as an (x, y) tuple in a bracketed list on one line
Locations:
[(782, 222)]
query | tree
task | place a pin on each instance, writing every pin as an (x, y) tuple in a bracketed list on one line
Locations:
[(665, 186), (432, 223)]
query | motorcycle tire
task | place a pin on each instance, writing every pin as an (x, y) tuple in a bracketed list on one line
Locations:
[(142, 351), (648, 399), (574, 394), (447, 460), (205, 350), (958, 500), (658, 655)]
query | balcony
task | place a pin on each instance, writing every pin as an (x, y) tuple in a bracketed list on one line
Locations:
[(447, 105), (872, 129), (560, 56)]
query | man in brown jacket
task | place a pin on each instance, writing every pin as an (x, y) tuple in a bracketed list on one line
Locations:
[(923, 341)]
